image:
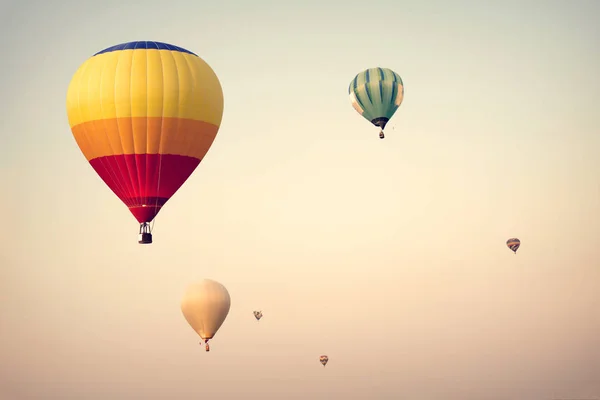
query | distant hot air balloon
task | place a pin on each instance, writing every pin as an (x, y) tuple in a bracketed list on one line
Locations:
[(376, 94), (144, 114), (513, 244), (323, 360), (205, 306), (258, 315)]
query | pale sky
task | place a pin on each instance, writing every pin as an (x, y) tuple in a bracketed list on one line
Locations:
[(387, 255)]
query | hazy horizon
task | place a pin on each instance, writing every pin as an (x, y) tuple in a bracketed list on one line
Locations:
[(387, 255)]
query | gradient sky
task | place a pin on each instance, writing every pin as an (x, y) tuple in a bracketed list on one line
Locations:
[(389, 256)]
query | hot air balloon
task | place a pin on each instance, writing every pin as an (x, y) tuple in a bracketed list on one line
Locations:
[(144, 114), (376, 94), (323, 360), (205, 306), (258, 315), (513, 244)]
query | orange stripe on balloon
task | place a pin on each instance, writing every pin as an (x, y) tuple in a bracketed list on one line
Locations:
[(144, 135)]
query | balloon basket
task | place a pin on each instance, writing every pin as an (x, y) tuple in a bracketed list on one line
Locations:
[(145, 235), (145, 238)]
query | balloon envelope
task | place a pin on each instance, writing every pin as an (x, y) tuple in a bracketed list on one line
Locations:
[(376, 94), (513, 244), (324, 360), (144, 114), (205, 306)]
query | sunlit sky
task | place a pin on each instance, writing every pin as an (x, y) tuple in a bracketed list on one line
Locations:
[(387, 255)]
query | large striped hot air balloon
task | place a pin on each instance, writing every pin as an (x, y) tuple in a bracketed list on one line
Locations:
[(144, 114), (376, 94)]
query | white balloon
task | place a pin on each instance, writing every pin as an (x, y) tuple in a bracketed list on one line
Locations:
[(205, 306)]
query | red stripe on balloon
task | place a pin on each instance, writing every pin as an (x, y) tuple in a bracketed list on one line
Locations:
[(144, 182)]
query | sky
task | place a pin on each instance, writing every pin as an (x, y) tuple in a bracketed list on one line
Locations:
[(387, 255)]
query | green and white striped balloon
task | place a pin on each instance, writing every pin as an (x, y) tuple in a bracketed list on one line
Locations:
[(376, 94)]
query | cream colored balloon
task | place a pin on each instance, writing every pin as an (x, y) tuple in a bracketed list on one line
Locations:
[(205, 306)]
